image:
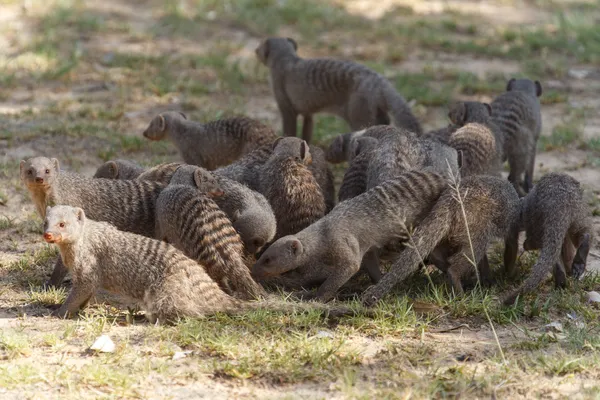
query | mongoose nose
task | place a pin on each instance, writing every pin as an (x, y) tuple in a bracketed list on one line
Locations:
[(48, 236), (39, 180)]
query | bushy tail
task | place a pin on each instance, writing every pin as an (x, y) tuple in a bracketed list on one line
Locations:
[(396, 105)]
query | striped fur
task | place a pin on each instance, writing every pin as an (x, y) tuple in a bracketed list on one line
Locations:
[(195, 224), (476, 147), (119, 169), (355, 178), (160, 173)]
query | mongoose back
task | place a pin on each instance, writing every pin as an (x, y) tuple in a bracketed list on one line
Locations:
[(150, 273), (460, 114), (248, 210), (557, 220), (355, 177), (194, 223), (476, 148), (291, 188), (160, 173), (349, 90), (119, 169), (330, 251), (491, 207), (212, 144), (127, 204), (517, 115)]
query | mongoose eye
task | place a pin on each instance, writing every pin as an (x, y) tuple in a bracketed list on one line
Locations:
[(47, 171), (62, 224), (29, 172)]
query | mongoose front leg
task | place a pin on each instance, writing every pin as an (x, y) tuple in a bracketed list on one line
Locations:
[(58, 274), (485, 273), (307, 128), (289, 117), (370, 263), (567, 255), (528, 185), (511, 248), (560, 275), (336, 280), (517, 168), (580, 259), (78, 297)]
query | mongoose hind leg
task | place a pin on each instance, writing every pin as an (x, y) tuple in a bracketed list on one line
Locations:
[(58, 274), (485, 273), (567, 255), (559, 274), (517, 168), (370, 264), (580, 259), (307, 128), (289, 117), (511, 248)]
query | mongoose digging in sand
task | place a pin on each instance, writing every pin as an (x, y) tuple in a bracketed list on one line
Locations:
[(330, 251), (150, 273), (212, 144), (127, 204), (491, 206), (194, 223), (349, 90), (558, 221)]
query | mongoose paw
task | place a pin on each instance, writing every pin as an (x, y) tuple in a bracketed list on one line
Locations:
[(577, 270), (369, 298)]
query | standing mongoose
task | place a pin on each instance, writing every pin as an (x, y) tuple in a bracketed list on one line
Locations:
[(517, 115), (291, 188), (491, 209), (330, 251), (355, 177), (349, 90), (249, 211), (150, 273), (194, 223), (475, 145), (558, 221), (127, 204), (119, 169), (212, 144)]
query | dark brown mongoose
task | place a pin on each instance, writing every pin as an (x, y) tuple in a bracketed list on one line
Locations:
[(212, 144), (491, 207), (475, 145), (355, 177), (249, 211), (291, 188), (330, 251), (517, 115), (127, 204), (119, 169), (349, 90), (150, 273), (558, 221), (160, 173), (194, 223)]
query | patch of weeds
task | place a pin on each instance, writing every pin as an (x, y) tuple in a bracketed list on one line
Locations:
[(326, 127), (231, 77), (30, 267), (553, 97), (417, 87), (47, 296), (131, 143), (13, 346), (568, 132), (592, 144), (560, 364), (6, 222)]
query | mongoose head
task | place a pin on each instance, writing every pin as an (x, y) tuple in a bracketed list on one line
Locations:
[(339, 150), (184, 175), (207, 183), (108, 170), (292, 147), (282, 256), (254, 235), (39, 171), (360, 145), (461, 113), (160, 125), (525, 85), (274, 47), (63, 224)]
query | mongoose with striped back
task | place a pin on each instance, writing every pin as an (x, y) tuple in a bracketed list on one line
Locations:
[(461, 113), (127, 204), (192, 222), (331, 250), (212, 144), (152, 274), (491, 207), (476, 149), (558, 221), (249, 211), (291, 188), (160, 173), (349, 90), (355, 177), (517, 115), (119, 169)]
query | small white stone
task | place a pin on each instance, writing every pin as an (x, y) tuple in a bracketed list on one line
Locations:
[(593, 297), (323, 334), (181, 354), (103, 344), (554, 326)]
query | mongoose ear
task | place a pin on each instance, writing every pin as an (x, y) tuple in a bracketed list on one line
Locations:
[(458, 113), (22, 167), (293, 42), (236, 215), (459, 158), (262, 51), (489, 108), (199, 177), (538, 88), (509, 84), (162, 124), (276, 141), (183, 115), (295, 246), (113, 168), (80, 215), (56, 164), (305, 153)]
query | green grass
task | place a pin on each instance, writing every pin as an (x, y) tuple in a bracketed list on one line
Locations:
[(566, 133)]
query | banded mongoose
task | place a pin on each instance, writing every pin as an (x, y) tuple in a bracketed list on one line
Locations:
[(340, 149), (475, 145), (119, 169), (194, 223), (127, 204), (249, 211), (459, 114), (212, 144), (355, 177), (491, 207), (558, 221), (291, 188), (160, 173), (349, 90), (330, 251), (517, 115), (150, 273)]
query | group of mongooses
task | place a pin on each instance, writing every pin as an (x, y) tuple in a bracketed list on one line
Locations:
[(182, 238)]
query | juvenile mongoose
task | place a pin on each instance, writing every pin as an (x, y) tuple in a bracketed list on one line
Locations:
[(248, 210), (517, 115), (349, 90), (194, 223), (330, 251), (160, 173), (557, 220), (476, 148), (212, 144), (491, 207), (355, 177), (291, 188), (150, 273), (119, 169), (128, 204)]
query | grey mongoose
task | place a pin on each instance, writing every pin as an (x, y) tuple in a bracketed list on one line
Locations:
[(119, 169), (347, 89), (475, 145), (355, 177)]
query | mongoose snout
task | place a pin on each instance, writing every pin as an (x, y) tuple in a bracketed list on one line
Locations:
[(51, 237)]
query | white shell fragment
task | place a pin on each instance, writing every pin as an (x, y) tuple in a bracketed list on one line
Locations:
[(593, 297), (181, 354), (103, 344), (554, 327)]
